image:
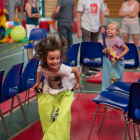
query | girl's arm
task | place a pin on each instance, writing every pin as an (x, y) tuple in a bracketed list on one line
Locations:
[(124, 52), (30, 15), (135, 12), (77, 76), (121, 13), (37, 79)]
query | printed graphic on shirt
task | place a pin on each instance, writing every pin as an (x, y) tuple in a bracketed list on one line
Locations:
[(55, 82), (94, 9), (112, 53)]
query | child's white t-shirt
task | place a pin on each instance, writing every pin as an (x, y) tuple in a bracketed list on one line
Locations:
[(57, 82), (90, 17)]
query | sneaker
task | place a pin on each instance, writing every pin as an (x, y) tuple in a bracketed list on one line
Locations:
[(93, 69), (88, 74)]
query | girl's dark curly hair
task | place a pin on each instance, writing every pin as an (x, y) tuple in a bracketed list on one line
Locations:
[(50, 44)]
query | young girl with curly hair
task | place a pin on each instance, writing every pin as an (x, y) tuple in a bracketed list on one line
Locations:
[(55, 102)]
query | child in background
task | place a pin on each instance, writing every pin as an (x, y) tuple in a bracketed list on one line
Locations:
[(114, 63), (54, 103)]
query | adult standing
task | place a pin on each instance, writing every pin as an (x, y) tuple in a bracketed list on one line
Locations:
[(65, 13), (130, 24), (106, 13), (32, 15), (89, 15)]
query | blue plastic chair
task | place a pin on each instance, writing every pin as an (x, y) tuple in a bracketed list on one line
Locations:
[(36, 35), (132, 54), (72, 57), (1, 114), (122, 87), (91, 50), (28, 78), (134, 108), (11, 85), (110, 99)]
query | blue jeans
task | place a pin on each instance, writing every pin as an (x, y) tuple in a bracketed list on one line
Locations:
[(65, 32), (104, 35)]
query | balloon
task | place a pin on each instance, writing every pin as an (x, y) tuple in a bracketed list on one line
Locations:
[(18, 33)]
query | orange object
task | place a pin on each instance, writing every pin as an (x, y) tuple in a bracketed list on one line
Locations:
[(53, 24), (16, 18)]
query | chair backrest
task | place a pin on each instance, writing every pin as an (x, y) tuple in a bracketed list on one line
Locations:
[(91, 50), (12, 80), (132, 54), (72, 55), (134, 102), (29, 74), (1, 77), (37, 34)]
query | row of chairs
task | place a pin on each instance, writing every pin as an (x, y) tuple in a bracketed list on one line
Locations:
[(93, 51), (17, 82), (121, 96)]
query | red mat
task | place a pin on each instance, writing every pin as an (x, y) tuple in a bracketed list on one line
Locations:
[(6, 106), (82, 115), (128, 77)]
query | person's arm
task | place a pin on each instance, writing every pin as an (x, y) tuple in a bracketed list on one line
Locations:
[(135, 12), (55, 12), (31, 15), (124, 52), (77, 76), (73, 13), (121, 13), (102, 22), (106, 12), (39, 74), (78, 22)]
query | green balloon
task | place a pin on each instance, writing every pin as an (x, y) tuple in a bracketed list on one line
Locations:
[(18, 33)]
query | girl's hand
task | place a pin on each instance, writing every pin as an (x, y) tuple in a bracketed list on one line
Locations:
[(76, 86), (117, 57), (36, 85), (104, 50)]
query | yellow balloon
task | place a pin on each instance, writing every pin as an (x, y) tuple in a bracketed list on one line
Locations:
[(18, 33)]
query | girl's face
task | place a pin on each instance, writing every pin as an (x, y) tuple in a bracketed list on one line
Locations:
[(111, 30), (53, 60)]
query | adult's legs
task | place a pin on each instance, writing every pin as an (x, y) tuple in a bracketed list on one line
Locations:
[(136, 42), (94, 37), (62, 31), (69, 34), (126, 37)]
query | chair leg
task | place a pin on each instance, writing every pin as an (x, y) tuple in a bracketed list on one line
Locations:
[(22, 110), (42, 84), (110, 114), (4, 123), (93, 121), (25, 98), (102, 119), (138, 129), (22, 54), (134, 132), (12, 103), (28, 95), (36, 93), (80, 89), (126, 129)]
